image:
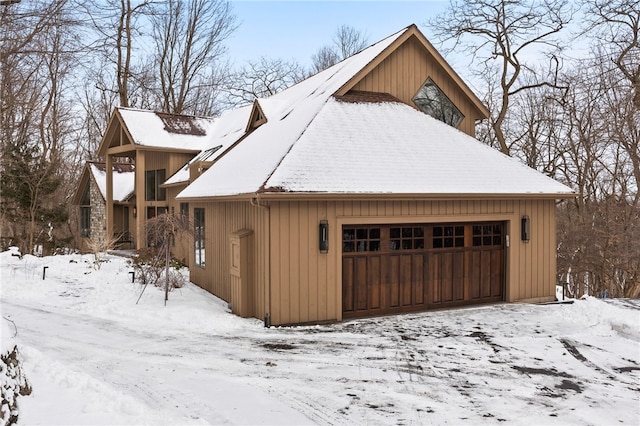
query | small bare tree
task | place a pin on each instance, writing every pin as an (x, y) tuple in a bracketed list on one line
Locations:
[(347, 41), (99, 249), (261, 79), (161, 232)]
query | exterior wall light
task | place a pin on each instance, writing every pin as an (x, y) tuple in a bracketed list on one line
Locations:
[(324, 236), (525, 228), (135, 211)]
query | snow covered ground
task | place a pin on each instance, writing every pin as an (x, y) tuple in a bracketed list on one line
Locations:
[(95, 357)]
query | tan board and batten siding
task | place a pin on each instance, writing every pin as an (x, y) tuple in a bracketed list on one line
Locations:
[(222, 219), (406, 69), (171, 162), (305, 286)]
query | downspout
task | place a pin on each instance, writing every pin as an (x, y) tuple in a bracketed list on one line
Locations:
[(255, 202)]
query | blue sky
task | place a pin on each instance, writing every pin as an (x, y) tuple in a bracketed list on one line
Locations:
[(295, 29)]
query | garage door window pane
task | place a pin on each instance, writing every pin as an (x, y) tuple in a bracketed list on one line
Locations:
[(360, 239), (406, 238), (487, 235), (448, 236)]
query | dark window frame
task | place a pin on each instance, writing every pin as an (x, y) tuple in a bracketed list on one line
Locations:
[(433, 101), (406, 237), (359, 239), (448, 236), (152, 181), (85, 221), (199, 258)]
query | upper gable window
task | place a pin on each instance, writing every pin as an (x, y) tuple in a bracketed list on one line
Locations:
[(152, 181), (431, 100)]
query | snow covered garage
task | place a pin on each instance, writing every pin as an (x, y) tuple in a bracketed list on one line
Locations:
[(362, 191)]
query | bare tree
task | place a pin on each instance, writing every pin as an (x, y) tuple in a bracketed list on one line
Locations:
[(347, 41), (36, 53), (155, 268), (598, 232), (117, 29), (503, 32), (189, 38), (615, 24), (324, 58), (261, 79)]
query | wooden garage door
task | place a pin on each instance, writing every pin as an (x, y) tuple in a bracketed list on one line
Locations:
[(400, 268)]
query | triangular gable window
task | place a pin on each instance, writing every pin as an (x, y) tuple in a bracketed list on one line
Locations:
[(431, 100)]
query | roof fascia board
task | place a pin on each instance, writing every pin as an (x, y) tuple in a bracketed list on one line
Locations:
[(103, 149), (167, 150), (398, 196), (288, 196), (413, 31), (131, 148), (175, 184), (239, 197)]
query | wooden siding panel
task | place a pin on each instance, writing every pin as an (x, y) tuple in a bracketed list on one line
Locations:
[(374, 272), (458, 276), (406, 280), (403, 73), (221, 219), (394, 281), (295, 260), (496, 272), (348, 284), (294, 266), (418, 277), (362, 290)]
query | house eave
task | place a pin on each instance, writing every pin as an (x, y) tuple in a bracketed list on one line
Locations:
[(303, 196), (412, 196)]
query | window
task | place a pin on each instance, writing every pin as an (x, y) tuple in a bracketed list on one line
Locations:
[(406, 238), (360, 239), (85, 221), (156, 211), (85, 214), (152, 181), (448, 236), (198, 237), (487, 235), (431, 100), (184, 210)]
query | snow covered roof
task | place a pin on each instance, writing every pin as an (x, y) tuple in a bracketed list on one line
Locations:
[(224, 131), (390, 147), (123, 180), (169, 131), (245, 168), (314, 143)]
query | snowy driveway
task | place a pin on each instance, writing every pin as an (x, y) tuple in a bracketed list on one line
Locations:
[(100, 359)]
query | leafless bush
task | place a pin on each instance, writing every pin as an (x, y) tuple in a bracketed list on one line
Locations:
[(155, 265), (150, 268), (99, 249)]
